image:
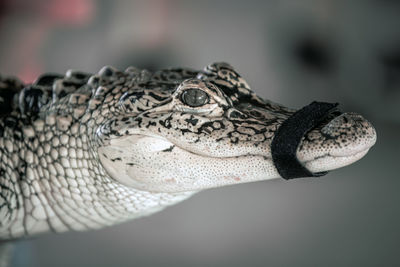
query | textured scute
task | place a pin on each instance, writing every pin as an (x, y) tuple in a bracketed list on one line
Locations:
[(82, 151)]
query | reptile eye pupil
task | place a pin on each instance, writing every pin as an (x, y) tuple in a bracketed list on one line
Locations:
[(194, 97)]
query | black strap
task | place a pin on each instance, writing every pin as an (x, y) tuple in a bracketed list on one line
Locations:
[(288, 137)]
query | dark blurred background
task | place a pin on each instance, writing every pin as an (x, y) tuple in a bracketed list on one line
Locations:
[(292, 52)]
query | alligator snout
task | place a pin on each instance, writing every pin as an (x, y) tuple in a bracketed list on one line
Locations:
[(340, 142), (353, 133)]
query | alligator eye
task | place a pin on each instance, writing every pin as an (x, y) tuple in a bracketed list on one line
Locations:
[(194, 97)]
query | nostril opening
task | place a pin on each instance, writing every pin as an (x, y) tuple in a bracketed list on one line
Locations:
[(329, 119), (336, 113)]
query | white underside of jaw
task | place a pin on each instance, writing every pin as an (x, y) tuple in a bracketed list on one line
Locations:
[(329, 162), (142, 162)]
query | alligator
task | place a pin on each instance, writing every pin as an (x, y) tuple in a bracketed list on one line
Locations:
[(82, 151)]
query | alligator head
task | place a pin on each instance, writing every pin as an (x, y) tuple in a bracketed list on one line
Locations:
[(187, 131)]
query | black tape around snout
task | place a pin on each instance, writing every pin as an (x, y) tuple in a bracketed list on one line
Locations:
[(288, 137)]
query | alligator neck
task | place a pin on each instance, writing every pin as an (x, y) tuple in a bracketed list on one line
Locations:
[(51, 180)]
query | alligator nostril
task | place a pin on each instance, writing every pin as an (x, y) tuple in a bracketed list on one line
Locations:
[(340, 122)]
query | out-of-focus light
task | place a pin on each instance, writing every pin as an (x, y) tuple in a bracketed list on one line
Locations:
[(77, 12)]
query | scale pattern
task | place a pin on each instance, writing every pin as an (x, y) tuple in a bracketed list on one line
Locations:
[(50, 178)]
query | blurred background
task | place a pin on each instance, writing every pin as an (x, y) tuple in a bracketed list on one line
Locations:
[(292, 52)]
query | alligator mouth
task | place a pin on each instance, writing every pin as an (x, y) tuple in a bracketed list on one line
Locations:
[(360, 137), (149, 161), (153, 163), (329, 160)]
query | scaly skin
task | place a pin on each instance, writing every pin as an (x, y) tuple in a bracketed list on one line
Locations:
[(85, 151)]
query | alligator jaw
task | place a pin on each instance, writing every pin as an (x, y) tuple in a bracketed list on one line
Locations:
[(153, 163), (338, 143)]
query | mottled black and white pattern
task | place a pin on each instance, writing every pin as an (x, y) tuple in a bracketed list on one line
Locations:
[(81, 151)]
